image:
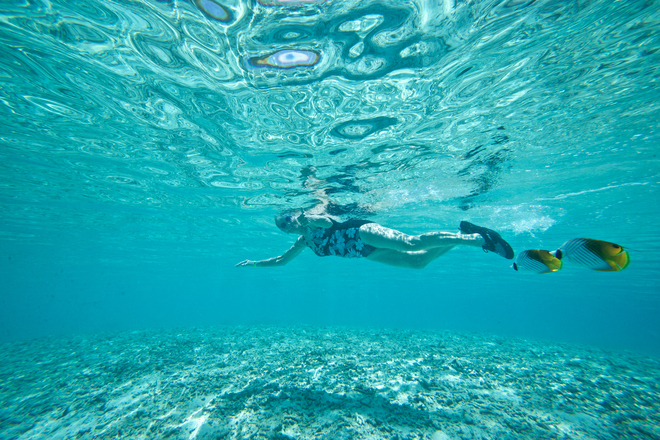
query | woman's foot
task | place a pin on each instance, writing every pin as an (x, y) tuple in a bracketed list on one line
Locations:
[(493, 241)]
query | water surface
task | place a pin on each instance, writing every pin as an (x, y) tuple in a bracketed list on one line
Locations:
[(145, 147)]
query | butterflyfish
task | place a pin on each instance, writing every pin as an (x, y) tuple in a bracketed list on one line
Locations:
[(594, 254), (537, 261)]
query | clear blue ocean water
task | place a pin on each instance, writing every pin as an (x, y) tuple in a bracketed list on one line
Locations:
[(145, 147)]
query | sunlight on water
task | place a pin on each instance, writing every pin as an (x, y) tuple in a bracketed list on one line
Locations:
[(147, 145), (534, 117), (158, 104)]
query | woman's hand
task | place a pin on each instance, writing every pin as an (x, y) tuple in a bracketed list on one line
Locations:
[(303, 219), (281, 260)]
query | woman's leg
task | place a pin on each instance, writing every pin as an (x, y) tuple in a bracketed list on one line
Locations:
[(385, 238), (408, 260)]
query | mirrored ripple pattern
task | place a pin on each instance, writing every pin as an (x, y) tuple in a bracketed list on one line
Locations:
[(209, 104)]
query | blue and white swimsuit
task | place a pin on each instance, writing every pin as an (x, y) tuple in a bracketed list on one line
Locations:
[(341, 240)]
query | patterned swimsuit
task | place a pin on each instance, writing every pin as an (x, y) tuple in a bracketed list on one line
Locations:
[(342, 240)]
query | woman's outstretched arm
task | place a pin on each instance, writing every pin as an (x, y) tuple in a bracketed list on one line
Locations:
[(289, 255)]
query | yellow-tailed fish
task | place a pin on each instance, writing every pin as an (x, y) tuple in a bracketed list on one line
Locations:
[(594, 254), (537, 261)]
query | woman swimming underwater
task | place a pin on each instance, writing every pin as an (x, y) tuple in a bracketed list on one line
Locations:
[(362, 238)]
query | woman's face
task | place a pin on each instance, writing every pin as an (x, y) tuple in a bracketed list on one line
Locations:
[(287, 222)]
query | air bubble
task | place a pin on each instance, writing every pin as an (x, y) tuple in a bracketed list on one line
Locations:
[(286, 59), (214, 10)]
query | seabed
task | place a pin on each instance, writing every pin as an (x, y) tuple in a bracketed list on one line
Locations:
[(324, 383)]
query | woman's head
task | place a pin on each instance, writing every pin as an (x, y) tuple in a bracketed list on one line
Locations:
[(288, 220)]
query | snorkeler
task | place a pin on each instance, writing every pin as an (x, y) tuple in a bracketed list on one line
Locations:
[(362, 238)]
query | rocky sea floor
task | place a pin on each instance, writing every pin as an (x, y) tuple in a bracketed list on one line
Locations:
[(325, 383)]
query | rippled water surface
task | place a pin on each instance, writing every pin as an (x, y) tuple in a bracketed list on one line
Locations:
[(146, 146)]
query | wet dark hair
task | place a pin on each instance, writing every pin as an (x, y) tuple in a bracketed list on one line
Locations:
[(285, 218)]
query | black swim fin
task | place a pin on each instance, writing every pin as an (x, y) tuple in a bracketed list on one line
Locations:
[(494, 242)]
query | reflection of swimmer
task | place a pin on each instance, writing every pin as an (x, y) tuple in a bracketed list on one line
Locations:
[(586, 252), (361, 238)]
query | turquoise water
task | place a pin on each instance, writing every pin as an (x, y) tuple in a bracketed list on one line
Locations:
[(145, 147)]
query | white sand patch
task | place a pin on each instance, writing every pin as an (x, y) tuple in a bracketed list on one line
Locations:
[(238, 383)]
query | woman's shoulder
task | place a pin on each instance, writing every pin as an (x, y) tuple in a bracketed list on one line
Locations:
[(318, 221), (353, 223)]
